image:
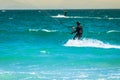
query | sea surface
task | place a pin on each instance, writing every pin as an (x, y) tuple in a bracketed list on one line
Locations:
[(37, 45)]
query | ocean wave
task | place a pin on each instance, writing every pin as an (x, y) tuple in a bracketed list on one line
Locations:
[(113, 31), (62, 16), (33, 30), (43, 51), (59, 16), (28, 31), (110, 18), (44, 30), (90, 43), (82, 17)]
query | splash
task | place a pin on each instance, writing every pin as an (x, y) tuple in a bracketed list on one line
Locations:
[(89, 43), (59, 16)]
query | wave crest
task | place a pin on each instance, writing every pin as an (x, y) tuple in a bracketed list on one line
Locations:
[(44, 30), (113, 31), (84, 17), (59, 16)]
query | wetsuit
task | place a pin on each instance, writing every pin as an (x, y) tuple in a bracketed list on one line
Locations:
[(78, 32)]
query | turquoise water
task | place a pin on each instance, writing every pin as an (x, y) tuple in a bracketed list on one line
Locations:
[(37, 45)]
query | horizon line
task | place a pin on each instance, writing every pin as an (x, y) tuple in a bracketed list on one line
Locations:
[(58, 8)]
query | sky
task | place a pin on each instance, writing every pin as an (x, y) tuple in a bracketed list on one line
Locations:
[(59, 4)]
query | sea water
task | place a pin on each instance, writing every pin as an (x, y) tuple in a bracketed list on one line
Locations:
[(37, 45)]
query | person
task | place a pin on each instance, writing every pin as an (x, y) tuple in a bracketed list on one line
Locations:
[(78, 31), (65, 13)]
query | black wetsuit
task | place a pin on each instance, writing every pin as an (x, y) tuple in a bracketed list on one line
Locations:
[(78, 32)]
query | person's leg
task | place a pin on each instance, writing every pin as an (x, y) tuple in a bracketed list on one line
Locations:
[(74, 37), (79, 36)]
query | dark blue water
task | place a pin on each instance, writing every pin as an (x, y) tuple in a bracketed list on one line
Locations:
[(37, 44)]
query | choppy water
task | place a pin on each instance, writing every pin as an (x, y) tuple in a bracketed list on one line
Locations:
[(37, 45)]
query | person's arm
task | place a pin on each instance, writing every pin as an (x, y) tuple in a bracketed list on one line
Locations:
[(74, 32)]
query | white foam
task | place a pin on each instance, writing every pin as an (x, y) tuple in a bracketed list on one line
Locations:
[(34, 30), (10, 18), (110, 31), (84, 17), (89, 43), (59, 16), (43, 51), (46, 30), (89, 17), (62, 16), (110, 18)]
